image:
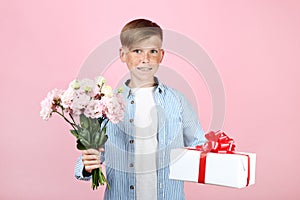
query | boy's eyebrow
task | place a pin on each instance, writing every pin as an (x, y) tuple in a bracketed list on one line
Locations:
[(132, 48)]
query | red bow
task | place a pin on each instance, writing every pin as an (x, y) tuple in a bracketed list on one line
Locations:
[(217, 142)]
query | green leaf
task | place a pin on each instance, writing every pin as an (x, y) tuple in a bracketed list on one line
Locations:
[(96, 139), (103, 137), (84, 121), (84, 133), (79, 130), (74, 132), (80, 146), (90, 133), (85, 138), (91, 125)]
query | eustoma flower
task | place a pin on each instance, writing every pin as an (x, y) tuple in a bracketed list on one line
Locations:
[(92, 102), (50, 103), (114, 108)]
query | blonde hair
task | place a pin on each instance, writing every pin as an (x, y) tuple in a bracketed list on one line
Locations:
[(139, 30)]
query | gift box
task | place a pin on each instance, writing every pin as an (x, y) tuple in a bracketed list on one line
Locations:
[(218, 167)]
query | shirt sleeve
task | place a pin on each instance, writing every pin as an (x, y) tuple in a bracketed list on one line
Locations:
[(193, 133), (78, 171)]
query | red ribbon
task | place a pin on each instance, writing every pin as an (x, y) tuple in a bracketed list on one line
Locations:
[(217, 142)]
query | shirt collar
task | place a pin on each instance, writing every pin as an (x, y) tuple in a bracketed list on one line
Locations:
[(159, 87)]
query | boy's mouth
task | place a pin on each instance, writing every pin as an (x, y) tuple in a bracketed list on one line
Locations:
[(144, 68)]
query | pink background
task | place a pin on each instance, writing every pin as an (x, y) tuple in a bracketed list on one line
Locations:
[(254, 44)]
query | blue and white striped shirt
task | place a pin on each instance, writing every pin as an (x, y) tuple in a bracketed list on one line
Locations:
[(178, 126)]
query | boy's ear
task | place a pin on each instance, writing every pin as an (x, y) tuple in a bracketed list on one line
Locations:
[(162, 55), (122, 53)]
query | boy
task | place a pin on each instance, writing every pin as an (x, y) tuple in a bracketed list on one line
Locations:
[(157, 119)]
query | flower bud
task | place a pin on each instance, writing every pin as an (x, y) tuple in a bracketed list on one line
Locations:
[(75, 84), (107, 91), (87, 89), (120, 90), (100, 80)]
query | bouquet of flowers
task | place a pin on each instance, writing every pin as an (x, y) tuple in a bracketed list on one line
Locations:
[(87, 105)]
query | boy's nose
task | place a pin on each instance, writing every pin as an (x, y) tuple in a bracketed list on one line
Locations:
[(145, 58)]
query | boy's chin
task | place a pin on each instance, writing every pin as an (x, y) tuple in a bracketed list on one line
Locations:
[(142, 81)]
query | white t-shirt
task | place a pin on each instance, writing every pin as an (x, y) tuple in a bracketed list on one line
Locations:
[(145, 121)]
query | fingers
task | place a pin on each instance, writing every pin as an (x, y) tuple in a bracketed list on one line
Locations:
[(91, 162), (101, 149), (91, 152), (90, 155), (91, 159), (89, 168)]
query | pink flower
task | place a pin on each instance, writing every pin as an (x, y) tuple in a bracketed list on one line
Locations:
[(80, 102), (67, 98), (93, 109), (84, 97), (50, 103), (114, 108), (88, 87)]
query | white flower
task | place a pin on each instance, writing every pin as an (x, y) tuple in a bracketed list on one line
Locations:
[(107, 91)]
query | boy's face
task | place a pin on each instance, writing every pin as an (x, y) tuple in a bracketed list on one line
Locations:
[(142, 60)]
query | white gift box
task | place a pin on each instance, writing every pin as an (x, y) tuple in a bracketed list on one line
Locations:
[(220, 169)]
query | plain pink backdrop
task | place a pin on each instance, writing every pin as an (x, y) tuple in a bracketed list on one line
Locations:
[(254, 44)]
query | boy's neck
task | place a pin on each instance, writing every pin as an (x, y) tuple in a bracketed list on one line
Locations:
[(137, 84)]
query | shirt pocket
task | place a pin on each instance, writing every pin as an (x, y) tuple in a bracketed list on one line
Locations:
[(174, 130)]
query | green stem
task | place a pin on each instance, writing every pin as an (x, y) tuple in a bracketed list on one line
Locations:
[(67, 120), (98, 178), (72, 118)]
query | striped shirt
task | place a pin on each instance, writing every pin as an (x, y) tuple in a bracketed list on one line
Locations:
[(178, 126)]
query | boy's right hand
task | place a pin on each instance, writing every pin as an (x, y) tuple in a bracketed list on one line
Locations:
[(91, 159)]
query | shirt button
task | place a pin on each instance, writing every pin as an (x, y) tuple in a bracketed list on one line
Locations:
[(132, 102), (131, 165), (131, 187), (131, 120), (131, 141)]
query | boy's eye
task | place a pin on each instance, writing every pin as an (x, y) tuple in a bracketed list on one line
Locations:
[(154, 51), (137, 51)]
